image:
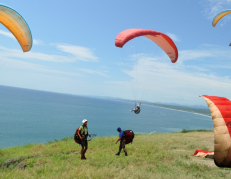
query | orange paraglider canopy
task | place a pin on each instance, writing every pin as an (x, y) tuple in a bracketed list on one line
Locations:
[(161, 39), (17, 25), (219, 16)]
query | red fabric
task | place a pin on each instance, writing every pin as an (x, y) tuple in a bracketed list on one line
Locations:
[(126, 35), (129, 135), (201, 151), (224, 106)]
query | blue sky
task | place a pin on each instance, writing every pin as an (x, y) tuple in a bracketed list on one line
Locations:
[(74, 52)]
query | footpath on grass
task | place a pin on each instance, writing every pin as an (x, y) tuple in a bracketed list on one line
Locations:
[(157, 155)]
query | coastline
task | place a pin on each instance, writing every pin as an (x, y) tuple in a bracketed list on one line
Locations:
[(166, 107), (180, 110)]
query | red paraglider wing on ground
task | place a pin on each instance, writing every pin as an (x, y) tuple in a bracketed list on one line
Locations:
[(161, 39), (220, 109)]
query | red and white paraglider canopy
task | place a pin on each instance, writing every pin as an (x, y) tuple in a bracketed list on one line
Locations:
[(161, 39), (220, 109)]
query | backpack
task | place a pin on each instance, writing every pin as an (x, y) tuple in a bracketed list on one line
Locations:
[(76, 137), (129, 136)]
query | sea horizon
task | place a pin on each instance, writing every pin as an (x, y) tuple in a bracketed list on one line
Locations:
[(156, 104)]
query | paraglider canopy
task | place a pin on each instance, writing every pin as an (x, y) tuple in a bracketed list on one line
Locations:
[(220, 109), (17, 25), (142, 56), (161, 39), (219, 16)]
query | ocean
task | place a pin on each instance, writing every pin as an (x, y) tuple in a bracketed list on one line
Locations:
[(32, 116)]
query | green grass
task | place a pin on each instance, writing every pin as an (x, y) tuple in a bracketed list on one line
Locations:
[(197, 130), (150, 156)]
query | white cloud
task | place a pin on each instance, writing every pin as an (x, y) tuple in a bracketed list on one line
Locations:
[(79, 53), (160, 80), (213, 7), (16, 64), (207, 52), (76, 53), (193, 54), (185, 55), (101, 73), (197, 68), (9, 58), (173, 37), (7, 34), (14, 53), (37, 42)]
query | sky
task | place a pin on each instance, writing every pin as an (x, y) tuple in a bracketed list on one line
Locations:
[(74, 49)]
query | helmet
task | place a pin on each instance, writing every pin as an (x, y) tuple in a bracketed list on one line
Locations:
[(118, 129), (85, 120)]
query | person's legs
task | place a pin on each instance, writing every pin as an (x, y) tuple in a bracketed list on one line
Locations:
[(123, 146), (120, 147), (84, 151), (125, 151)]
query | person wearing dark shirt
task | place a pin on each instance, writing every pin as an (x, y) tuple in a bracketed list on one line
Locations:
[(122, 141)]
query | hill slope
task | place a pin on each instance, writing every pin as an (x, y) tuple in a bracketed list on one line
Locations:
[(150, 156)]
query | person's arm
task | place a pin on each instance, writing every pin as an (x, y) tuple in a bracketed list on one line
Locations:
[(120, 137), (79, 134), (88, 134), (118, 140)]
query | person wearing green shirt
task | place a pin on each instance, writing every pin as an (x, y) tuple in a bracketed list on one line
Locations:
[(82, 132)]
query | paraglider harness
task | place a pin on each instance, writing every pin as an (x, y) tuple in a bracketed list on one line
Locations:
[(137, 108), (129, 136), (84, 136)]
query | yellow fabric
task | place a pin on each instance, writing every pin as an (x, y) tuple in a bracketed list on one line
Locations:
[(219, 16), (17, 26)]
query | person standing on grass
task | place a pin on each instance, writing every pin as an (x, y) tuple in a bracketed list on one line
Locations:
[(122, 141), (82, 132)]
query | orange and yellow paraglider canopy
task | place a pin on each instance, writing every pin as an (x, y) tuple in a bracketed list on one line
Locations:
[(16, 24), (219, 16)]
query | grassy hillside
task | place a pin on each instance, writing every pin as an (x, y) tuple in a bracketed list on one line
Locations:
[(150, 156)]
